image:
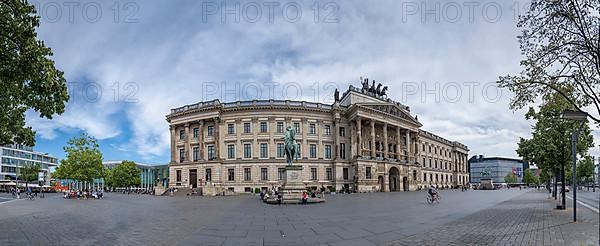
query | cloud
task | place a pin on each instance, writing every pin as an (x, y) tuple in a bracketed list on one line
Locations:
[(170, 52)]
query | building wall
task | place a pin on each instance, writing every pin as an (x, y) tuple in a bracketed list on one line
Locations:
[(499, 168), (373, 135), (16, 156)]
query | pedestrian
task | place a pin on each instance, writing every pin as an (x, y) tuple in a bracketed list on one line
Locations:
[(279, 198)]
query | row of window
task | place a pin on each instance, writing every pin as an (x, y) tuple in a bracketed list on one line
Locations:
[(247, 128), (19, 162), (264, 174), (264, 151), (434, 164), (26, 155), (438, 177)]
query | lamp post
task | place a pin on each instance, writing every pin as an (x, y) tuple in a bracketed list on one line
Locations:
[(577, 116)]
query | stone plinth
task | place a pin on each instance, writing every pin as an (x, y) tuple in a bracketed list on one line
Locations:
[(293, 187)]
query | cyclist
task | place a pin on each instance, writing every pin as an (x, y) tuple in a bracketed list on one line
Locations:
[(432, 192)]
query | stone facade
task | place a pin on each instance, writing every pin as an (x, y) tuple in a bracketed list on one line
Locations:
[(363, 142)]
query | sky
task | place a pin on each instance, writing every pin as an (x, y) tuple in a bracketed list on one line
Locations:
[(128, 63)]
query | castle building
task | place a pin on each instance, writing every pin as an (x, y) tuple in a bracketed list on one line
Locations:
[(363, 142)]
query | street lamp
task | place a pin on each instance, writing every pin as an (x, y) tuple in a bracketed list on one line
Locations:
[(577, 116)]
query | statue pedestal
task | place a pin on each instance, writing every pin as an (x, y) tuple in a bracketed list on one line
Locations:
[(293, 187)]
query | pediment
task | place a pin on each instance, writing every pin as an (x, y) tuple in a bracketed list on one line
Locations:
[(392, 109)]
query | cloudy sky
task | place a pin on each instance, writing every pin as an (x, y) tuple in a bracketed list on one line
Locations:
[(129, 63)]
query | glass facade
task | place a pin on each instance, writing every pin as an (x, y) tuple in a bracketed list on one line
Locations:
[(15, 156), (497, 167)]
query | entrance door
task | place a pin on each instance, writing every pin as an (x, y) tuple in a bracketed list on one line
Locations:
[(405, 183), (193, 178), (381, 183), (394, 179)]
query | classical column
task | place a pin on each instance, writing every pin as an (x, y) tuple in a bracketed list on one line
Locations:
[(373, 139), (201, 139), (408, 142), (398, 145), (385, 141), (187, 150), (217, 135), (359, 133), (173, 143), (337, 138), (352, 140)]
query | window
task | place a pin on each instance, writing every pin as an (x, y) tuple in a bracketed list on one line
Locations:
[(211, 152), (210, 130), (247, 151), (312, 128), (430, 177), (430, 149), (263, 127), (345, 173), (436, 166), (264, 150), (264, 174), (297, 127), (299, 151), (429, 162), (247, 127), (181, 134), (313, 173), (230, 129), (328, 173), (181, 155), (327, 151), (279, 127), (231, 174), (280, 150), (208, 175), (424, 177), (178, 176), (196, 153), (313, 151), (280, 173), (414, 174), (231, 151), (195, 132), (423, 162), (343, 151), (247, 174), (327, 130), (368, 173), (342, 131)]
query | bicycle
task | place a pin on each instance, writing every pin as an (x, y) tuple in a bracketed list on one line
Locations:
[(434, 200), (30, 197)]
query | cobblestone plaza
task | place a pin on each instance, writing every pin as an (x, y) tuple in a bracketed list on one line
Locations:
[(503, 217)]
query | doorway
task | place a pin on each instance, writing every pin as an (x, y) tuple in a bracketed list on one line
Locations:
[(193, 178), (394, 179)]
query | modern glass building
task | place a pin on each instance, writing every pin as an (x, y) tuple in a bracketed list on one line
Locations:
[(151, 175), (15, 156), (498, 168)]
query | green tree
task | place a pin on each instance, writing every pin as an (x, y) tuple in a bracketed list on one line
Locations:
[(83, 162), (528, 177), (126, 174), (28, 77), (550, 144), (585, 169), (510, 178), (108, 178), (29, 173), (559, 40)]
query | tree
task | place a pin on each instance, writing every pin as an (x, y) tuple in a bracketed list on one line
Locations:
[(28, 77), (29, 173), (108, 178), (83, 162), (510, 178), (528, 177), (125, 174), (585, 169), (561, 44), (550, 145)]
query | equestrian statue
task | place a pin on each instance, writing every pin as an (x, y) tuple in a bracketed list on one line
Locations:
[(291, 147)]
